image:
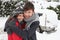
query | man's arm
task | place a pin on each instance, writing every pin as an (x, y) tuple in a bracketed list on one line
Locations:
[(25, 33), (33, 28)]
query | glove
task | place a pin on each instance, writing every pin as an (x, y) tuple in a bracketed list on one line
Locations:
[(9, 31)]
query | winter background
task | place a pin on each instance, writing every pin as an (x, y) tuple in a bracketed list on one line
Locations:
[(49, 17)]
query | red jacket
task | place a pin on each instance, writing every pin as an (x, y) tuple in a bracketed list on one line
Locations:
[(14, 36)]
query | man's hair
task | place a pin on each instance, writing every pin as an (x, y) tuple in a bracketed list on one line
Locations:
[(28, 6)]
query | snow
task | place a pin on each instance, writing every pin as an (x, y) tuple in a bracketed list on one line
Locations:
[(3, 35), (44, 4), (43, 36), (52, 36), (2, 21), (51, 16)]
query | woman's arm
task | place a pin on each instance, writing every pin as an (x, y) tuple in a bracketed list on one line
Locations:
[(7, 28), (24, 33), (17, 30), (33, 28)]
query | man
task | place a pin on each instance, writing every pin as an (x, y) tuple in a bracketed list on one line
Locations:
[(31, 19), (32, 23)]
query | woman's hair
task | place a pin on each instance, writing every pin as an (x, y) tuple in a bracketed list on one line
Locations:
[(28, 6), (12, 17)]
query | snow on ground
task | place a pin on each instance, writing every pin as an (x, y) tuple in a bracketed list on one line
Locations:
[(44, 36), (3, 35), (52, 36)]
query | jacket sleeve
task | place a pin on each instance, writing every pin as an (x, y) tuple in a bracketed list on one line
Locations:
[(7, 28), (33, 28), (24, 33), (18, 31)]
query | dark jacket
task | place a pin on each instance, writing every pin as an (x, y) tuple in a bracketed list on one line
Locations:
[(26, 34), (11, 34), (29, 34)]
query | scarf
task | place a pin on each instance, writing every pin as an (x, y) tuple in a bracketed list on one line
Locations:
[(30, 20)]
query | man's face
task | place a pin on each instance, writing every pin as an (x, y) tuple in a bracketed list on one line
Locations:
[(20, 17), (28, 13)]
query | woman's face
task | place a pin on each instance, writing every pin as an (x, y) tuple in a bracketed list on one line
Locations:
[(20, 17), (28, 13)]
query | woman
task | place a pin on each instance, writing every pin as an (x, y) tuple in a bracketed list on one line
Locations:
[(17, 19), (32, 23)]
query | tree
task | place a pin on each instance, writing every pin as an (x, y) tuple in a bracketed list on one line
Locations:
[(57, 10)]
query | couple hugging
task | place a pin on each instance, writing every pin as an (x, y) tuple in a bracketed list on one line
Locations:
[(23, 23)]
